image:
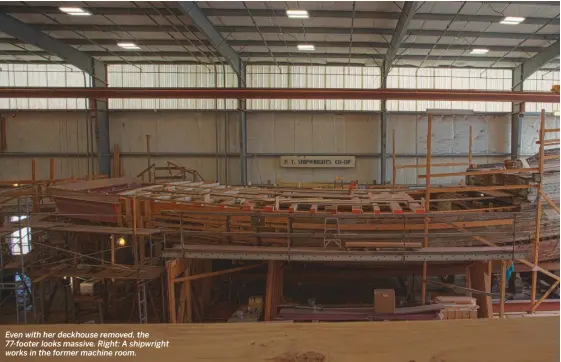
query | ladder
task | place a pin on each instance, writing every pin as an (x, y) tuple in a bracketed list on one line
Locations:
[(331, 232), (142, 304)]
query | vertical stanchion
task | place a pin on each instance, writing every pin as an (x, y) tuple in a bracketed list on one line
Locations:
[(536, 246), (503, 289), (427, 205)]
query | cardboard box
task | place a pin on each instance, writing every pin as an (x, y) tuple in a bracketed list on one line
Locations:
[(384, 301)]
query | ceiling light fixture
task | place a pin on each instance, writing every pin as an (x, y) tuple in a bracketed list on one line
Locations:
[(297, 14), (128, 46), (512, 20), (74, 11), (306, 47), (479, 51)]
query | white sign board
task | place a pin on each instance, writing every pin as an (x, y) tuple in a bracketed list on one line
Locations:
[(318, 161)]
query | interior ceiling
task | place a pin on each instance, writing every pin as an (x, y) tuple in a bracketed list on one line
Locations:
[(440, 34)]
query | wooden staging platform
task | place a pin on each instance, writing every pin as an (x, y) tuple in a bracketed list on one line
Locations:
[(512, 340), (193, 251)]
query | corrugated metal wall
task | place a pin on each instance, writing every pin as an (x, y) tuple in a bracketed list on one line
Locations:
[(171, 76), (303, 76), (435, 78), (541, 81), (42, 75)]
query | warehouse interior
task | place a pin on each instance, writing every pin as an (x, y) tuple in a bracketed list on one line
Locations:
[(312, 161)]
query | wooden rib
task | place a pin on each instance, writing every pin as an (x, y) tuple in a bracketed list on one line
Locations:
[(549, 201), (396, 209), (382, 244), (486, 172)]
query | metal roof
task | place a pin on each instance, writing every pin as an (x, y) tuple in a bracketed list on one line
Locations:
[(343, 32)]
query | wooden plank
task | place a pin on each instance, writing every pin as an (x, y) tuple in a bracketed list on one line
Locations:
[(451, 340), (445, 164), (551, 157), (552, 130), (550, 142), (216, 273), (383, 244), (485, 172), (400, 227)]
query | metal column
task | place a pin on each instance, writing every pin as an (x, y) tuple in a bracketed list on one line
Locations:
[(383, 129), (243, 127), (99, 79)]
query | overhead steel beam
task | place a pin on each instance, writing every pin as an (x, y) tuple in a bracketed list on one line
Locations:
[(191, 9), (530, 66), (283, 44), (30, 35), (279, 93), (407, 13), (293, 30), (85, 62), (118, 55), (269, 13)]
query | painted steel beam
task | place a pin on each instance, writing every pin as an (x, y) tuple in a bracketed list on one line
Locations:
[(530, 66), (191, 251), (269, 13), (317, 55), (191, 9), (292, 30), (283, 44), (408, 11), (80, 60), (279, 93), (29, 35)]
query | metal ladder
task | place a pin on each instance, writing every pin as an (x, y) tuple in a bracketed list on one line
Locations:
[(330, 234), (142, 304)]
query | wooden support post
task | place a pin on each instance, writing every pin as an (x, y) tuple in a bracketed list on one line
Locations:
[(394, 171), (470, 159), (51, 171), (274, 288), (503, 289), (468, 280), (174, 268), (116, 161), (427, 205), (481, 280), (536, 246), (33, 170), (148, 157)]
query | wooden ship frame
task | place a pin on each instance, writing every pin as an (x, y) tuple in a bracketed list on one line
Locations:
[(174, 230)]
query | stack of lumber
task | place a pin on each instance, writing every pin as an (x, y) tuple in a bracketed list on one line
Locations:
[(457, 307)]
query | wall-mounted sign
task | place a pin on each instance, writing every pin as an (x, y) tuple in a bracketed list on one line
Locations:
[(318, 161)]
